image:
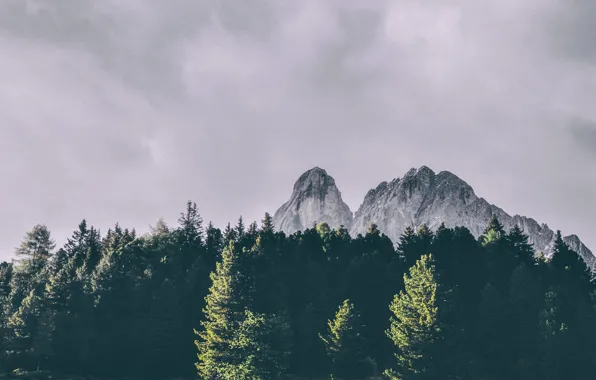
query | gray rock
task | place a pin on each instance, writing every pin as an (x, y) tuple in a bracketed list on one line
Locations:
[(315, 198), (420, 197)]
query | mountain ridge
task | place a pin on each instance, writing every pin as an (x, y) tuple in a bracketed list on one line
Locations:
[(420, 197)]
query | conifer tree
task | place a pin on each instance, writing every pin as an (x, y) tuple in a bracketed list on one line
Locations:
[(267, 223), (226, 302), (240, 229), (253, 229), (263, 343), (31, 330), (229, 234), (191, 224), (37, 246), (493, 232), (523, 250), (345, 344), (416, 326), (213, 245), (407, 247)]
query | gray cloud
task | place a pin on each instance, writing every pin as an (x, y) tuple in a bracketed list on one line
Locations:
[(584, 132), (122, 111)]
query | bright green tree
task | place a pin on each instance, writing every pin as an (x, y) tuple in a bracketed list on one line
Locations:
[(345, 344), (224, 313), (416, 327), (263, 343)]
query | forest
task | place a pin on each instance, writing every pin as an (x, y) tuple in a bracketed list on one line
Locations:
[(249, 302)]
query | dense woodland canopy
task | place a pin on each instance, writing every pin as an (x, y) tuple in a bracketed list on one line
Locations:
[(248, 302)]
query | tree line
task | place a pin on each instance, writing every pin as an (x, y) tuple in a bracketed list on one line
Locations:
[(249, 302)]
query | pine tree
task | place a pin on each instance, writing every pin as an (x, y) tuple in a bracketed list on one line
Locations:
[(31, 330), (493, 232), (345, 344), (229, 235), (213, 245), (37, 246), (190, 238), (263, 343), (240, 229), (160, 228), (518, 241), (267, 223), (407, 247), (567, 263), (416, 325), (228, 297), (93, 254)]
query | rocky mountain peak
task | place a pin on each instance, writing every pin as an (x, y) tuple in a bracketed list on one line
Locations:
[(314, 181), (315, 198), (420, 197)]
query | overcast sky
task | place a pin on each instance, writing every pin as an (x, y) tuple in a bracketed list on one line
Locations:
[(122, 110)]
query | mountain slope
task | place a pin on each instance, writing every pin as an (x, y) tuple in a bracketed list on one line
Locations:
[(420, 197), (315, 198), (423, 197)]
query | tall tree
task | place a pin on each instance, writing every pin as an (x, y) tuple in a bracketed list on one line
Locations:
[(493, 232), (416, 326), (345, 345), (263, 343), (226, 302), (37, 246)]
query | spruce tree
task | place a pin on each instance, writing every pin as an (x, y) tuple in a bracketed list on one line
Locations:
[(240, 229), (267, 223), (226, 302), (345, 344), (523, 250), (416, 327), (493, 232), (263, 343), (37, 246)]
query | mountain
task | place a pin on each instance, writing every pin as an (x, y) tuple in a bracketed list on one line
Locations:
[(315, 198), (420, 197)]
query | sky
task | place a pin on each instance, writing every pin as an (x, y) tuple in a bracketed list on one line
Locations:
[(121, 111)]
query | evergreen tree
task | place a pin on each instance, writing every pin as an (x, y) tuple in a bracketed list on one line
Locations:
[(518, 241), (240, 229), (229, 234), (416, 326), (160, 228), (493, 232), (191, 225), (407, 247), (263, 344), (213, 245), (226, 302), (345, 344), (267, 223), (37, 246), (31, 331)]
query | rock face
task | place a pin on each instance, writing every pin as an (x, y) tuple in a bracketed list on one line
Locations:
[(420, 197), (315, 199), (423, 197)]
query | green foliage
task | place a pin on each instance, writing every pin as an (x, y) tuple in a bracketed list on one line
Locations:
[(120, 305), (416, 327), (345, 344), (227, 300), (262, 343)]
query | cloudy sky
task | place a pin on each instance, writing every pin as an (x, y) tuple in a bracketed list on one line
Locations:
[(122, 110)]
